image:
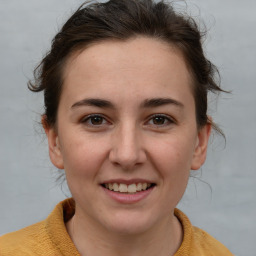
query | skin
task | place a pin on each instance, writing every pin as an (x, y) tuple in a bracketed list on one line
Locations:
[(127, 142)]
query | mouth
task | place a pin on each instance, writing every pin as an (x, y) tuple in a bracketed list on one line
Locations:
[(128, 189)]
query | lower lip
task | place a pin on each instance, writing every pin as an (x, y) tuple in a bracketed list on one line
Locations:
[(126, 198)]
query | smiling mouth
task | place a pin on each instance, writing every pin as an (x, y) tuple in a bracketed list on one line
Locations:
[(128, 189)]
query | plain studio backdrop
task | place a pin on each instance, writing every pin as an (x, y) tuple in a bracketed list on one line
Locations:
[(226, 208)]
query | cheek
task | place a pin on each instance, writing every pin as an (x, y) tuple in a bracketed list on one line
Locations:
[(172, 162), (173, 155), (82, 156), (82, 164)]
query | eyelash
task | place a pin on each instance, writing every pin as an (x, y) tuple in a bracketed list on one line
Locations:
[(88, 120), (167, 120)]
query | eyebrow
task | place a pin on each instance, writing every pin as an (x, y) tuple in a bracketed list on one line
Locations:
[(148, 103), (100, 103), (157, 102)]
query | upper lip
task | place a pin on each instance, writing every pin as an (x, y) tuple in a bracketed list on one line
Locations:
[(127, 181)]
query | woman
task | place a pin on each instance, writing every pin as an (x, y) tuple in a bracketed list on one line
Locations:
[(125, 87)]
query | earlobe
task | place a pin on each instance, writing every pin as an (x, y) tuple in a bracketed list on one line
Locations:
[(201, 146), (53, 144)]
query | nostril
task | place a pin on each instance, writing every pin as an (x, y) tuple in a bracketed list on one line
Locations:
[(127, 158)]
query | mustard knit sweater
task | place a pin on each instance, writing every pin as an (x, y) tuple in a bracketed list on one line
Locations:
[(50, 237)]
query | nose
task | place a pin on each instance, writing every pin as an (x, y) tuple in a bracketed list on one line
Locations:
[(127, 150)]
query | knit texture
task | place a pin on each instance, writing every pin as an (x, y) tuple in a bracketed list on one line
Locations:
[(50, 237)]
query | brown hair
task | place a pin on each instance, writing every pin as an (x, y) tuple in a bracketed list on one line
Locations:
[(122, 20)]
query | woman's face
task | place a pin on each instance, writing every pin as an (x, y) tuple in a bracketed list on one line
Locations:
[(127, 118)]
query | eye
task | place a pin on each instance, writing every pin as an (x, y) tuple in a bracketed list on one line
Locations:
[(94, 120), (160, 120)]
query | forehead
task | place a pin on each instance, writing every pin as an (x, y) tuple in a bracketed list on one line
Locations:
[(140, 63)]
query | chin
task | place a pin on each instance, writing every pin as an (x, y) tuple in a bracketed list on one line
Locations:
[(131, 223)]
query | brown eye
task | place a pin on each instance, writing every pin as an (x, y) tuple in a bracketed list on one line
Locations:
[(94, 120), (160, 120)]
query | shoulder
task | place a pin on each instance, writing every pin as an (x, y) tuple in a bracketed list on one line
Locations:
[(48, 237), (204, 242), (197, 242), (31, 240)]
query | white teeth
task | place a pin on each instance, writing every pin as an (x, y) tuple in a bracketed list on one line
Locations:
[(124, 188), (144, 186), (115, 187), (139, 187), (132, 188)]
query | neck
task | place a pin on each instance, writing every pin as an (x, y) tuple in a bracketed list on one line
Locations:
[(163, 239)]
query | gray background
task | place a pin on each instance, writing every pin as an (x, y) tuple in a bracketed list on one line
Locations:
[(226, 208)]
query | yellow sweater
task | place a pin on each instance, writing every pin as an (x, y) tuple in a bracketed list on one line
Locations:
[(50, 238)]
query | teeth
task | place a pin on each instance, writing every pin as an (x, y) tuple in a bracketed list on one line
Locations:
[(139, 187), (132, 188), (123, 188), (115, 187)]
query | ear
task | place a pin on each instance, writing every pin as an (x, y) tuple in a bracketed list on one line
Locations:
[(53, 144), (201, 146)]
